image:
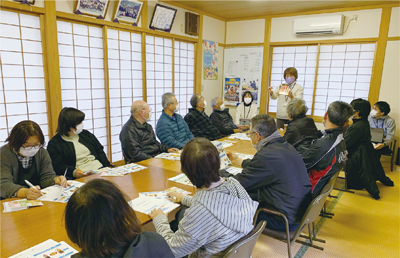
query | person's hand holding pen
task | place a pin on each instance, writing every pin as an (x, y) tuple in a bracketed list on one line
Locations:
[(79, 173), (61, 180), (32, 193)]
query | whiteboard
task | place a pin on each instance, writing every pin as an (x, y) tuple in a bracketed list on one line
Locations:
[(242, 71)]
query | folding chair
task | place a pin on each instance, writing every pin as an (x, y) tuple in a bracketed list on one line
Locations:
[(345, 183), (332, 181), (392, 148), (311, 214), (244, 246)]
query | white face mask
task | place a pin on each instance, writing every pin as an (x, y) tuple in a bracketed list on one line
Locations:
[(205, 104), (147, 119), (373, 113), (176, 108), (247, 100), (29, 152), (79, 129), (222, 107)]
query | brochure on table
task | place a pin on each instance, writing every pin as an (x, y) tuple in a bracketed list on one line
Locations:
[(57, 193), (48, 248)]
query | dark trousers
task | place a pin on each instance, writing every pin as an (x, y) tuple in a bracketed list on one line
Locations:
[(178, 217), (280, 123), (384, 151), (274, 223)]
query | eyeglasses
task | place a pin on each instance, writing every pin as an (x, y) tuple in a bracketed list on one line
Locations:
[(32, 147), (248, 134)]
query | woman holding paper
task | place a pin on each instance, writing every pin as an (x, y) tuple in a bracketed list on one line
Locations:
[(219, 213), (246, 110), (285, 93), (100, 221), (74, 149), (24, 160)]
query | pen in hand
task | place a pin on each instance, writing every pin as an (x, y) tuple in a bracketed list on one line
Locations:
[(65, 173), (31, 185)]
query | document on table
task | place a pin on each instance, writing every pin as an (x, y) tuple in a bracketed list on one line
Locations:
[(239, 136), (182, 179), (244, 156), (233, 170), (227, 143), (48, 248), (145, 204), (122, 170), (169, 156), (163, 194), (57, 193), (20, 205)]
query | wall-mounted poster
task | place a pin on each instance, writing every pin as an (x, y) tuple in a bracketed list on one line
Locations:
[(252, 85), (96, 8), (128, 11), (210, 60), (163, 18), (231, 91)]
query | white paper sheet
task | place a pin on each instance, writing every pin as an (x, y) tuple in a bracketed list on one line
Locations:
[(48, 248), (57, 193), (145, 204)]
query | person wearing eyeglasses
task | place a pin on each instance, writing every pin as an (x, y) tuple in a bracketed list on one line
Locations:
[(276, 176), (23, 158), (137, 137), (74, 149)]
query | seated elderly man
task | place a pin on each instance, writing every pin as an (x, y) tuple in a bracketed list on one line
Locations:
[(199, 123), (221, 118), (379, 118), (301, 130), (276, 176), (327, 154), (171, 129), (137, 138)]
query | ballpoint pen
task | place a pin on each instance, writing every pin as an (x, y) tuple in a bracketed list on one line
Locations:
[(65, 173), (31, 185)]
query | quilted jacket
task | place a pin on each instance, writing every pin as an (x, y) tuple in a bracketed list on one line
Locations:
[(173, 130)]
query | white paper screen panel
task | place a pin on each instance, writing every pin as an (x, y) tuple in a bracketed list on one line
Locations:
[(22, 83), (158, 73), (303, 58), (184, 74), (344, 73), (82, 74), (125, 81)]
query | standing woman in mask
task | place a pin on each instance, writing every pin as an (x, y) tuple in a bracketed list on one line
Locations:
[(23, 159), (247, 109), (285, 93), (74, 149)]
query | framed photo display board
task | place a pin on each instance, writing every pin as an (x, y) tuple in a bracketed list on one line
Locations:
[(163, 18), (128, 11), (97, 8)]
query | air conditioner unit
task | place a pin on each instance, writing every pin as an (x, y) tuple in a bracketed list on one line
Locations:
[(319, 25)]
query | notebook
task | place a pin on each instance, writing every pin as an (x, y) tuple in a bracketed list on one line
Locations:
[(376, 135)]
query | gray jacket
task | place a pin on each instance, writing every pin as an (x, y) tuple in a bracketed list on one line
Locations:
[(10, 167)]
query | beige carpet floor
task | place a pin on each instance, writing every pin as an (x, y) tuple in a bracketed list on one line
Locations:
[(361, 226)]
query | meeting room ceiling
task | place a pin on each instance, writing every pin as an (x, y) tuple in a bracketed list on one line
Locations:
[(246, 9)]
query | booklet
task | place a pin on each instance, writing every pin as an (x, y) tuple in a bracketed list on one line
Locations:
[(57, 193), (182, 179), (227, 143), (20, 205), (239, 136), (145, 204), (284, 90), (47, 249), (163, 194), (225, 161), (122, 170), (169, 156)]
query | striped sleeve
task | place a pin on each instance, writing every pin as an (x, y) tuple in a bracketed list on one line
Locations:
[(187, 200)]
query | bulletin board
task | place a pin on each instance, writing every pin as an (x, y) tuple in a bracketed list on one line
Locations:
[(242, 71)]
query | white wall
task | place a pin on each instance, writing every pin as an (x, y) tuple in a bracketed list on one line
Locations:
[(367, 26), (389, 91), (394, 27), (214, 30), (251, 31)]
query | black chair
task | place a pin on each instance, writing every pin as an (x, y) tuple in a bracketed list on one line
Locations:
[(244, 246), (392, 148), (311, 214)]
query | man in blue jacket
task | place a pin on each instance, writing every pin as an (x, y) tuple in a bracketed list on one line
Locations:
[(171, 128)]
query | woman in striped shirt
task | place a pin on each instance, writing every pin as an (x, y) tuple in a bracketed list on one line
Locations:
[(218, 214)]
